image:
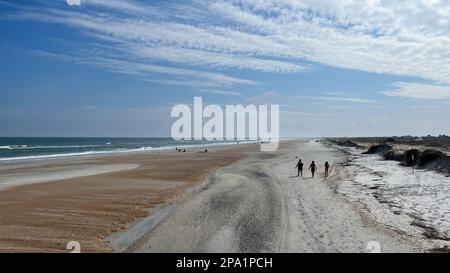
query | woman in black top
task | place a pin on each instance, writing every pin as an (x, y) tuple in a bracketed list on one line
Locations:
[(327, 169), (313, 168)]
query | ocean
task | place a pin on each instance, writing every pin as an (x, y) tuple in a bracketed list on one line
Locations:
[(19, 148)]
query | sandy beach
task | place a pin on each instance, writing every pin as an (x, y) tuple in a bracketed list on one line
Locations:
[(45, 204), (132, 126), (259, 205), (233, 199)]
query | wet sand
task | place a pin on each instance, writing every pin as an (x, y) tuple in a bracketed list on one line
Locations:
[(90, 198)]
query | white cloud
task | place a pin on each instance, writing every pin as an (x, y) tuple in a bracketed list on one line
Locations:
[(419, 91), (297, 114), (408, 38), (146, 71), (212, 59), (221, 92), (385, 37), (339, 99), (90, 107)]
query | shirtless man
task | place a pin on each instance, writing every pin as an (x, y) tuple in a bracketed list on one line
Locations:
[(300, 168)]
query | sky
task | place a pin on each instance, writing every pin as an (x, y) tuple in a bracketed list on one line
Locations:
[(97, 68)]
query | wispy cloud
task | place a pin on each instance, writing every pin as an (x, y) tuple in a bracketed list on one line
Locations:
[(419, 91), (146, 71), (221, 92), (391, 37), (90, 107), (339, 99), (143, 35), (383, 37), (305, 114)]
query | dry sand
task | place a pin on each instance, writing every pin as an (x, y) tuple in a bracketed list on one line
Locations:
[(259, 205), (90, 198)]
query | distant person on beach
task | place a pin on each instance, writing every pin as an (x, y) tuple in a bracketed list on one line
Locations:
[(300, 168), (313, 168), (327, 169)]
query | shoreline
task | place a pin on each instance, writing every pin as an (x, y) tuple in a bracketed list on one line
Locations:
[(80, 165), (107, 153), (43, 217)]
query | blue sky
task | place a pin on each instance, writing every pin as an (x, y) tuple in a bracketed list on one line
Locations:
[(115, 68)]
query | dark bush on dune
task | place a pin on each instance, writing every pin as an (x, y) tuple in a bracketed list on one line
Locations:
[(435, 160), (430, 159), (348, 143), (407, 159), (430, 156), (391, 139), (393, 155), (379, 149)]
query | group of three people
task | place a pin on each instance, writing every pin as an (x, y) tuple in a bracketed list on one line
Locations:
[(312, 168)]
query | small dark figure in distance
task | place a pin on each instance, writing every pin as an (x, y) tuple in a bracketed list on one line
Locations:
[(313, 168), (300, 168), (327, 169)]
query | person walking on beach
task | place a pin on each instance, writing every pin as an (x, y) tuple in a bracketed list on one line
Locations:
[(300, 168), (327, 169), (313, 168)]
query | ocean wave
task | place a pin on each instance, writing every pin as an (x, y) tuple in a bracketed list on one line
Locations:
[(67, 147), (121, 150), (13, 147), (87, 153), (30, 147)]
